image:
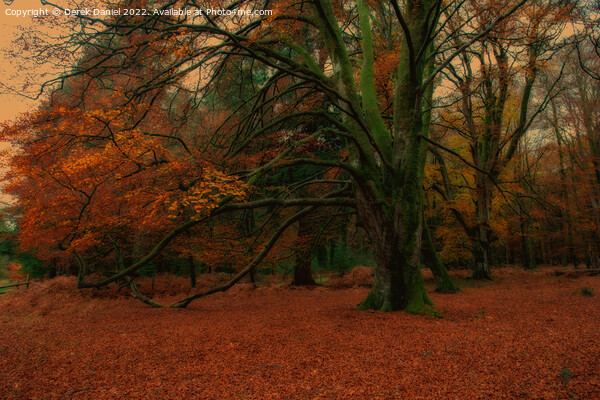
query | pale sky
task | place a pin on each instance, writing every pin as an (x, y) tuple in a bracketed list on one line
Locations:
[(11, 104), (12, 73)]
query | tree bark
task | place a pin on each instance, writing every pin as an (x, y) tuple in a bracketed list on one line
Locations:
[(302, 268), (192, 271), (481, 245), (527, 259), (443, 282), (302, 273), (395, 231)]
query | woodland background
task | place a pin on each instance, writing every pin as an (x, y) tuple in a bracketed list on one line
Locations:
[(168, 145), (269, 172)]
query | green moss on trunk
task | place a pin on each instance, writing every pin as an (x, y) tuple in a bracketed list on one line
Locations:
[(444, 283), (398, 291)]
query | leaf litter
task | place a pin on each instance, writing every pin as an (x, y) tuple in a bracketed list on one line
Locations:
[(528, 335)]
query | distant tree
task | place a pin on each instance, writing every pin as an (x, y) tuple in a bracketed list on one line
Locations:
[(492, 87)]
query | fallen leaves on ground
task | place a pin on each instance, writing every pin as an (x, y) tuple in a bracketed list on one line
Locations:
[(528, 335)]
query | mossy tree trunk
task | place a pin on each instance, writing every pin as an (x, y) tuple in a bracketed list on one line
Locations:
[(389, 199), (482, 231), (385, 155), (481, 256), (443, 281), (395, 231)]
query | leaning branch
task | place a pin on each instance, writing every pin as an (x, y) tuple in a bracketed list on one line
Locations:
[(255, 262), (225, 206), (81, 284)]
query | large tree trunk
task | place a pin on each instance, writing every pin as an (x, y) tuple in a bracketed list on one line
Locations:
[(395, 232), (302, 273), (386, 159)]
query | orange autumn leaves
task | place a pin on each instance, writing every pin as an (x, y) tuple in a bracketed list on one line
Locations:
[(508, 340), (85, 179)]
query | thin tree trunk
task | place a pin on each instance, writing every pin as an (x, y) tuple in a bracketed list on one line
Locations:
[(528, 259), (481, 245), (443, 281), (302, 268), (481, 257), (252, 274), (192, 267)]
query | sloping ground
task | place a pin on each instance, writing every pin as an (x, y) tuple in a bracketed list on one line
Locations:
[(529, 335)]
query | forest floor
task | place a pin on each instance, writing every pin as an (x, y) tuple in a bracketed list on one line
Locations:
[(527, 335)]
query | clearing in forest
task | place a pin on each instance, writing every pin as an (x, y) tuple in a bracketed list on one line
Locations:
[(528, 335)]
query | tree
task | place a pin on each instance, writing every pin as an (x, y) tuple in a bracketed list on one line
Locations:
[(489, 115), (381, 127), (573, 122)]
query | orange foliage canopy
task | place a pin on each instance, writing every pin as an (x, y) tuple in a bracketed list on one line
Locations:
[(88, 179)]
